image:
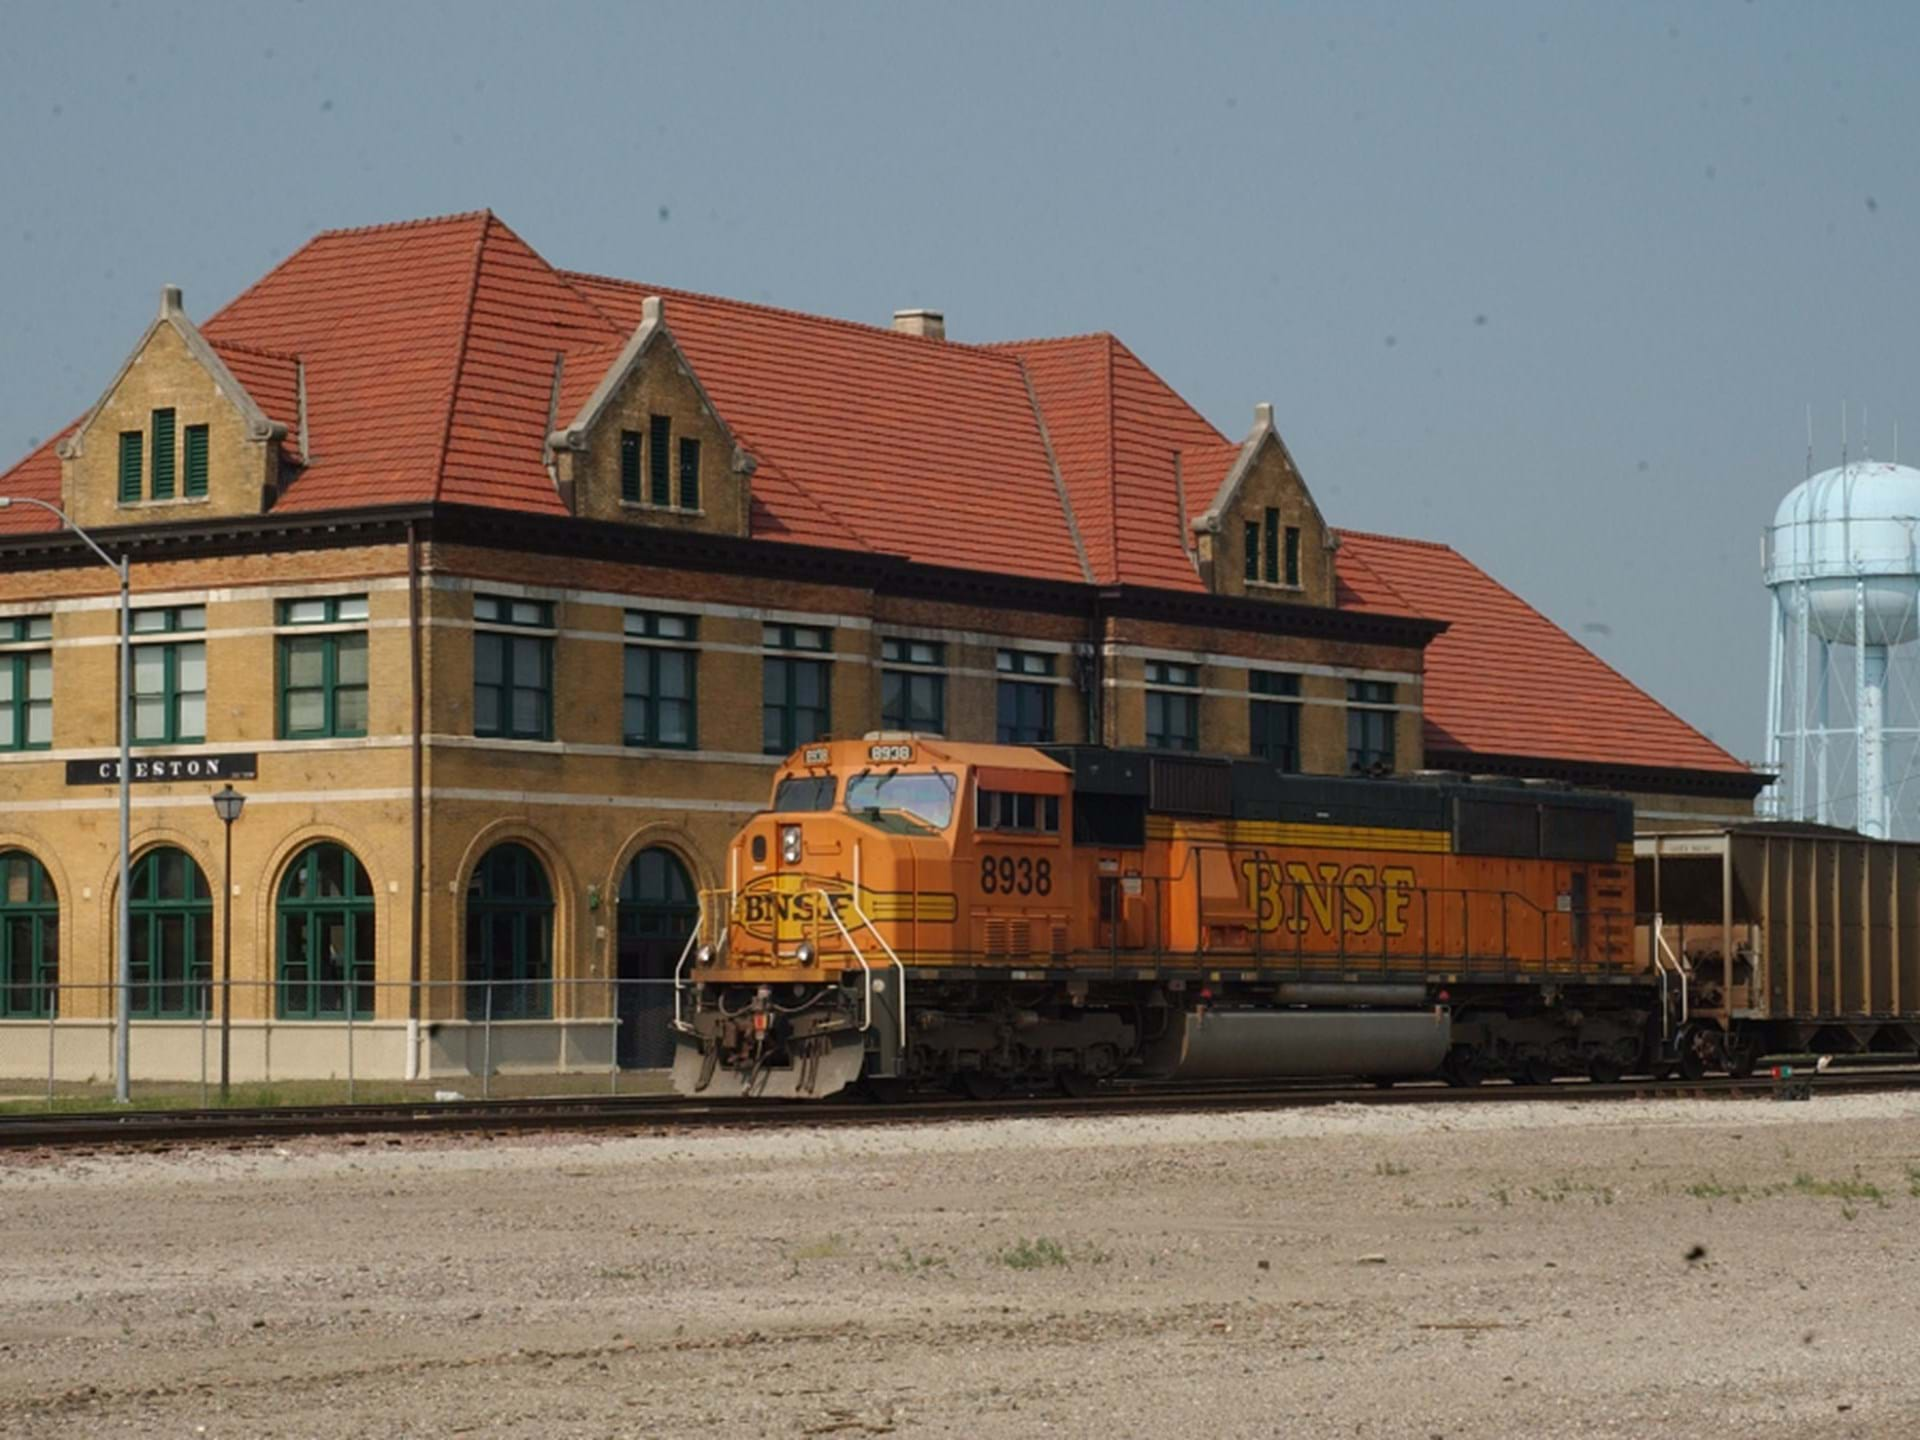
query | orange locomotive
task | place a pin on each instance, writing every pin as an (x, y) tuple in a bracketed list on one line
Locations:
[(910, 910)]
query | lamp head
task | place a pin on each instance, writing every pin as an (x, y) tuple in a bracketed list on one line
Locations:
[(227, 804)]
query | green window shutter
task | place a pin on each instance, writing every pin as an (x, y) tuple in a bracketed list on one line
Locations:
[(630, 465), (689, 474), (196, 477), (1272, 567), (1253, 549), (163, 454), (659, 441), (1293, 554), (130, 453)]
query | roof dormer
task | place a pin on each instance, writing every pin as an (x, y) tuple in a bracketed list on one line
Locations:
[(176, 434), (1262, 535), (647, 445)]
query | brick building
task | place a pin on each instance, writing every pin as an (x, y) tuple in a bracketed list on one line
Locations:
[(502, 587)]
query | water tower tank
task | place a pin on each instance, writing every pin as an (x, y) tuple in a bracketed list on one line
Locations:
[(1842, 561)]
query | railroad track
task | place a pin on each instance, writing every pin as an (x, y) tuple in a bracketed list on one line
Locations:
[(636, 1114)]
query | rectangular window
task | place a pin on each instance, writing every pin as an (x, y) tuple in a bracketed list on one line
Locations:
[(169, 677), (1010, 810), (1273, 718), (913, 698), (658, 699), (689, 474), (26, 684), (1271, 572), (630, 465), (132, 445), (323, 676), (1369, 730), (512, 672), (163, 454), (196, 458), (659, 456), (1293, 555), (1025, 706), (1252, 542), (1173, 715), (796, 693)]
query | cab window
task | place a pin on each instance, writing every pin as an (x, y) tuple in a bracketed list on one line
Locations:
[(897, 801), (803, 793), (1014, 810)]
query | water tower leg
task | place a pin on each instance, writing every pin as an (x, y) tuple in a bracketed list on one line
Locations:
[(1776, 721), (1873, 719), (1823, 793)]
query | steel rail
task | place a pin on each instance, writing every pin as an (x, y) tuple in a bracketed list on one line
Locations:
[(656, 1113)]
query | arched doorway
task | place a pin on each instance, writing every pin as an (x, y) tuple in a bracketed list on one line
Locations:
[(658, 909), (29, 939), (509, 936), (172, 914), (326, 936)]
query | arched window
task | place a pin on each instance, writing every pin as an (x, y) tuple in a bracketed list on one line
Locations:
[(326, 936), (658, 910), (29, 939), (509, 937), (172, 936)]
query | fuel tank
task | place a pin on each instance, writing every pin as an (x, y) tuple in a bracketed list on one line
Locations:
[(1260, 1044)]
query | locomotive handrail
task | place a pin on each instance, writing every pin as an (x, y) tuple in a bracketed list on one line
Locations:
[(1679, 970), (866, 1011), (680, 966)]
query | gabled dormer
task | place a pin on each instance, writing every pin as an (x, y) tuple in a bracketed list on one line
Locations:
[(176, 435), (1262, 535), (648, 447)]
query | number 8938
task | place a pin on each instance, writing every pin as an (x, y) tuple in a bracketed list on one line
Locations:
[(1006, 875)]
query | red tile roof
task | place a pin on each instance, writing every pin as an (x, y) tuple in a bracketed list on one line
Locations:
[(429, 351), (1502, 679)]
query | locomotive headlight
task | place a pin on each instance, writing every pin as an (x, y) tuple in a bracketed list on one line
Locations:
[(805, 953), (790, 844), (705, 955)]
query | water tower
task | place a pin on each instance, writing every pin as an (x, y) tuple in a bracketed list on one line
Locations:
[(1842, 561)]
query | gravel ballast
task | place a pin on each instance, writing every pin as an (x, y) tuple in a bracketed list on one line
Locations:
[(1684, 1268)]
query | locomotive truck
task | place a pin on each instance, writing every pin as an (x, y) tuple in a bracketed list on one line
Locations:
[(910, 911)]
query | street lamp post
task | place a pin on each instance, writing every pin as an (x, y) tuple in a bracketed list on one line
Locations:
[(227, 804), (124, 977)]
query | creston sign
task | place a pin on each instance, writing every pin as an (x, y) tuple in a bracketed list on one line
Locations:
[(163, 769)]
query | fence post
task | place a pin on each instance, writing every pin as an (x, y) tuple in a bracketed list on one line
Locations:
[(53, 1012), (205, 1000), (353, 1004), (613, 1044), (486, 1054)]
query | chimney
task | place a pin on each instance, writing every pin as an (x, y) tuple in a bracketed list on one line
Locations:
[(927, 324)]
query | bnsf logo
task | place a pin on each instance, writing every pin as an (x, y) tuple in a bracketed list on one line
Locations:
[(792, 907)]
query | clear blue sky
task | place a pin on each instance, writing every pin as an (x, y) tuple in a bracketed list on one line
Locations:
[(1554, 284)]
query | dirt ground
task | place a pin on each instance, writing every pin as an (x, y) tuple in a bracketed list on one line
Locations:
[(1666, 1268)]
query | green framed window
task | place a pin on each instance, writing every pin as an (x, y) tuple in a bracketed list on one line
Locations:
[(323, 673), (169, 676), (1270, 566), (29, 939), (1273, 718), (913, 685), (163, 454), (1251, 544), (659, 457), (630, 466), (689, 474), (1370, 749), (512, 670), (1173, 710), (1024, 706), (509, 937), (796, 692), (26, 682), (1290, 555), (133, 446), (172, 913), (325, 936), (657, 703), (195, 477)]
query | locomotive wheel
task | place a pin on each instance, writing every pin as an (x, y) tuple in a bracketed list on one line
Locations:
[(886, 1091), (1535, 1072), (979, 1085), (1693, 1064), (1603, 1071), (1075, 1084), (1461, 1069)]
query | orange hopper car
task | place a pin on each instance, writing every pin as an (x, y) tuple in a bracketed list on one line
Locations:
[(909, 910)]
